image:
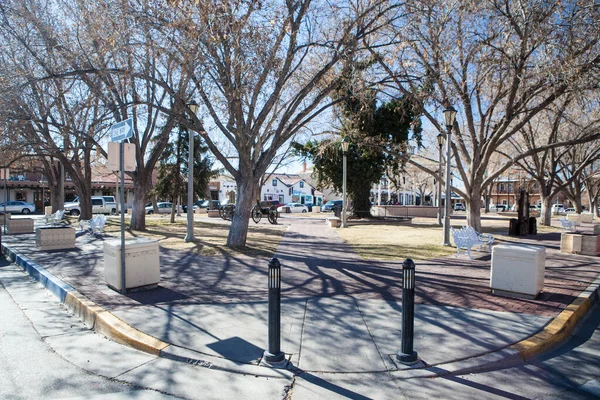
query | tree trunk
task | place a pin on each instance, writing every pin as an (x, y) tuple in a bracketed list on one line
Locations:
[(577, 201), (361, 203), (546, 213), (138, 213), (238, 232), (474, 212), (56, 197), (85, 203)]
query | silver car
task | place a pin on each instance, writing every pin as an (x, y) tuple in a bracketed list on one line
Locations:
[(18, 207), (163, 208)]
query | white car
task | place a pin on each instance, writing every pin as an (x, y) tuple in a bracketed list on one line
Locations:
[(18, 207), (163, 208), (558, 209), (293, 208)]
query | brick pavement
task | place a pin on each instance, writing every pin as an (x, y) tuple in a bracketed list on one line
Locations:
[(316, 263)]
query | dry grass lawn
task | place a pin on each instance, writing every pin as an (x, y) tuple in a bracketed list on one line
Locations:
[(211, 236), (420, 239)]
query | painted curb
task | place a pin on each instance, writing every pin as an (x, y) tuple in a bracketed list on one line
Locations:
[(89, 312), (561, 327)]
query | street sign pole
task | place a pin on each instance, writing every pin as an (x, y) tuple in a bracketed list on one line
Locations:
[(5, 197), (122, 169), (122, 131)]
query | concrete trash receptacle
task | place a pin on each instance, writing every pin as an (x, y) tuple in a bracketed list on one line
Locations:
[(587, 218), (518, 270), (21, 225), (142, 264), (55, 238)]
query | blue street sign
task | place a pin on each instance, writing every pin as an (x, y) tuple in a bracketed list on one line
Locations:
[(122, 130)]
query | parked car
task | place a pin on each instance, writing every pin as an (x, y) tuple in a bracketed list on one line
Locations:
[(330, 204), (99, 206), (293, 208), (498, 207), (265, 206), (534, 207), (110, 202), (163, 208), (459, 207), (184, 207), (214, 205), (558, 209), (18, 207), (569, 210)]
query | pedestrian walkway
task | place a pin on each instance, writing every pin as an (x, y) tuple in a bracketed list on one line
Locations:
[(339, 312)]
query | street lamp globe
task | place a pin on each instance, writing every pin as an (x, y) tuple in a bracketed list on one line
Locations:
[(345, 145), (440, 139), (449, 116), (193, 106)]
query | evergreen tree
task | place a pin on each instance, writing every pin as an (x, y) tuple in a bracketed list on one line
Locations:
[(173, 169), (374, 133)]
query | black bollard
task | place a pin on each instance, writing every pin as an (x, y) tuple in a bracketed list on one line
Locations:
[(407, 355), (274, 354)]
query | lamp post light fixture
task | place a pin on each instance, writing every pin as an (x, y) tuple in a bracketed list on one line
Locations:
[(345, 145), (440, 140), (449, 117), (189, 237)]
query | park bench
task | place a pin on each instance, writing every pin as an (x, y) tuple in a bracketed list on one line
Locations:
[(567, 225), (56, 218), (467, 237), (94, 225)]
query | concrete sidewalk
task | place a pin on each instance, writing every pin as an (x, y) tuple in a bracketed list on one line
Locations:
[(339, 313)]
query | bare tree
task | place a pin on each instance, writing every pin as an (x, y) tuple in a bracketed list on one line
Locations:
[(557, 168), (591, 181), (263, 72), (499, 63), (120, 66)]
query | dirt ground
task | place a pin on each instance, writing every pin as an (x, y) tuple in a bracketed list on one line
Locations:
[(419, 239), (210, 234)]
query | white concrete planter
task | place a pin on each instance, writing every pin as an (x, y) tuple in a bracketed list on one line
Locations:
[(2, 218), (587, 218), (574, 218), (55, 238), (48, 210), (588, 245), (518, 270), (334, 222), (22, 225), (142, 264), (213, 214)]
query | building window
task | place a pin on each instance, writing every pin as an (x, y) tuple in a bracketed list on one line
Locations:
[(502, 187), (274, 183), (301, 185)]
